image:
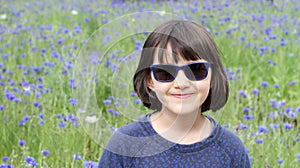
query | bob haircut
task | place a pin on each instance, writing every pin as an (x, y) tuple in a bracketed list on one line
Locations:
[(193, 42)]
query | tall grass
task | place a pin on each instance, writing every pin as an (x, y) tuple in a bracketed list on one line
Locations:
[(66, 78)]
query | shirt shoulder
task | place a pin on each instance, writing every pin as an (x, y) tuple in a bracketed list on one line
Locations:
[(230, 140), (129, 139), (234, 148)]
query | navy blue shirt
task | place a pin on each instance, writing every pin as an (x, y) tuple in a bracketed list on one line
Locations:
[(138, 145)]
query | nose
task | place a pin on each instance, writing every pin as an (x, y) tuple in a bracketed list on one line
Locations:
[(181, 81)]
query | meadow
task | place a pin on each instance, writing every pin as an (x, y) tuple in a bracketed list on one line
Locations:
[(66, 71)]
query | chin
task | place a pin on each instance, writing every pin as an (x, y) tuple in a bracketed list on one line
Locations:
[(183, 109)]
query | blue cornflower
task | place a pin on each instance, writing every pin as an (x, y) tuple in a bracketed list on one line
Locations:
[(297, 109), (137, 101), (255, 91), (276, 86), (59, 116), (272, 101), (6, 166), (30, 160), (1, 108), (55, 54), (274, 126), (5, 158), (41, 115), (47, 90), (287, 126), (10, 72), (243, 93), (243, 38), (61, 124), (76, 157), (26, 118), (39, 79), (87, 19), (42, 122), (64, 72), (73, 101), (69, 65), (22, 142), (273, 50), (262, 129), (264, 84), (72, 83), (17, 100), (43, 50), (90, 164), (246, 109), (40, 86), (77, 29), (292, 115), (9, 95), (37, 95), (37, 104), (106, 102), (259, 141), (244, 126), (273, 36), (116, 113), (117, 103), (292, 82), (248, 117), (272, 115), (266, 39), (133, 94), (46, 152), (66, 31), (5, 56), (21, 123), (110, 110), (280, 161)]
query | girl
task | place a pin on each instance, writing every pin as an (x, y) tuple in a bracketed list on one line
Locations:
[(179, 76)]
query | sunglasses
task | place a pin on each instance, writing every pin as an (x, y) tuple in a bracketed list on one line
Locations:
[(167, 72)]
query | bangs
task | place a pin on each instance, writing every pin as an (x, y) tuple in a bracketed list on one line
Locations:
[(179, 50)]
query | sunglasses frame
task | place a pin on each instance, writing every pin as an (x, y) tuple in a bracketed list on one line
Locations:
[(177, 68)]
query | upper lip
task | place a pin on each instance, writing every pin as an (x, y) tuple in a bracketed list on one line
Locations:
[(181, 93)]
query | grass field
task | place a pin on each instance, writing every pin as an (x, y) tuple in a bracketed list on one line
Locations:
[(66, 69)]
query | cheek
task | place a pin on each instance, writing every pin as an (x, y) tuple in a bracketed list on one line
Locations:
[(161, 90), (203, 88)]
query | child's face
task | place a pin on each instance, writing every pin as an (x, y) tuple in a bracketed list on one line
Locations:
[(180, 95)]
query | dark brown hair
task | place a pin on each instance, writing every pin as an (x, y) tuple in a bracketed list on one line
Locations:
[(192, 41)]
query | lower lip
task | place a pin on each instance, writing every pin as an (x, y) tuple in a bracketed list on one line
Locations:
[(179, 96)]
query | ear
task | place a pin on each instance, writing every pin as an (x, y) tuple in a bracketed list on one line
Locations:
[(150, 83)]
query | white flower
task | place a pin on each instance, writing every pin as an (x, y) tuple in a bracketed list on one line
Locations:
[(162, 13), (74, 12), (3, 17), (26, 88), (91, 119)]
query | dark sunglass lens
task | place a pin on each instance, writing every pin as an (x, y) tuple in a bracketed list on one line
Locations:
[(163, 73), (197, 71)]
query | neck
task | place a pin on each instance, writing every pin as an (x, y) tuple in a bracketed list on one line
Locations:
[(181, 128)]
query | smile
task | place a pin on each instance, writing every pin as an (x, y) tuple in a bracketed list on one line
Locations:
[(182, 96)]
